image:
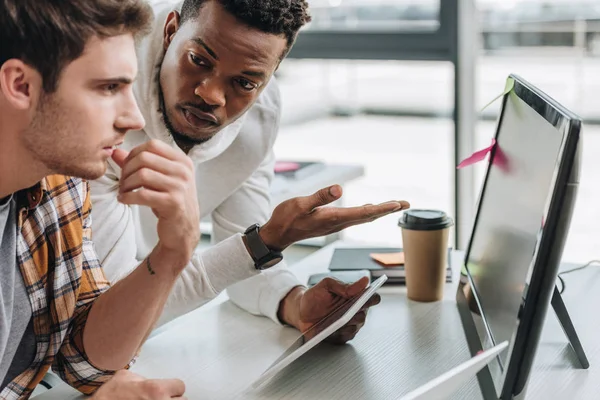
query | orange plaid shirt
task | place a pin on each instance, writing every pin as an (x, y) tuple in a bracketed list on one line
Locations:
[(63, 277)]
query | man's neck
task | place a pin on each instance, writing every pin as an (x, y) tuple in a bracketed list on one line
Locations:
[(17, 170)]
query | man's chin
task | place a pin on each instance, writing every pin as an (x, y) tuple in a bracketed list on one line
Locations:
[(88, 172), (192, 140)]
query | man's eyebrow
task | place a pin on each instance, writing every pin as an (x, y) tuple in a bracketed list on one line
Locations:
[(256, 74), (210, 51), (125, 80)]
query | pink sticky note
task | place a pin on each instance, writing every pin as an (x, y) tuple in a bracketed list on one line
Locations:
[(500, 159), (477, 156)]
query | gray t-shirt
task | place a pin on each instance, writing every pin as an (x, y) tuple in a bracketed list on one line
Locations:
[(17, 340)]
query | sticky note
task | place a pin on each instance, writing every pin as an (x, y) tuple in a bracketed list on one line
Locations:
[(477, 156), (500, 159), (508, 87), (389, 259)]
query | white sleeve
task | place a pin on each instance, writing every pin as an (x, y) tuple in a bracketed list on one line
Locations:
[(114, 238), (113, 233), (261, 294)]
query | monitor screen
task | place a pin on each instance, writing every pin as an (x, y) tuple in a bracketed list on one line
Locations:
[(506, 234)]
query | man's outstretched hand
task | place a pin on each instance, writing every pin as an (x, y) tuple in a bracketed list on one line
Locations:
[(306, 217), (303, 308)]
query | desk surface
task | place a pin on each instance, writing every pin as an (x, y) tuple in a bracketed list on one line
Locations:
[(220, 350)]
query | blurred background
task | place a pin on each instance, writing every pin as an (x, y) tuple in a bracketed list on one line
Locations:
[(372, 84), (395, 117)]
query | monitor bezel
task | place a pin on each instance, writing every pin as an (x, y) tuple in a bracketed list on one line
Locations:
[(543, 276)]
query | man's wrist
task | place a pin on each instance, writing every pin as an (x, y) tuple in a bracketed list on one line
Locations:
[(162, 259), (271, 239), (289, 307)]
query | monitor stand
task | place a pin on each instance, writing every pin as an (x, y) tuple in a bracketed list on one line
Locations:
[(567, 325)]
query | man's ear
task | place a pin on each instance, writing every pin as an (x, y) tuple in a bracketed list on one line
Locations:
[(20, 84), (171, 28)]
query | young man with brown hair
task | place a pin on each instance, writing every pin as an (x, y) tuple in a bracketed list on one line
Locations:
[(66, 100)]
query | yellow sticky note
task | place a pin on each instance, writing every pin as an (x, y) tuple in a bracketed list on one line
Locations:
[(388, 259), (510, 85)]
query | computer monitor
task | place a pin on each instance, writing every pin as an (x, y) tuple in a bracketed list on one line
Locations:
[(516, 244)]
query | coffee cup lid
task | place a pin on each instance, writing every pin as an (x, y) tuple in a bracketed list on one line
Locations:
[(425, 220)]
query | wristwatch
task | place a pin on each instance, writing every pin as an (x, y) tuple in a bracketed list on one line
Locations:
[(263, 257)]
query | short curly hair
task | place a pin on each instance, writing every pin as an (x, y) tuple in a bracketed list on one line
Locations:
[(278, 17)]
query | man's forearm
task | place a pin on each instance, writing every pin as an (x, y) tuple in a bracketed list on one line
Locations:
[(121, 319)]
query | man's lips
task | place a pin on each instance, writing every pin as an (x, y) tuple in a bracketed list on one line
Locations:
[(202, 115), (110, 149)]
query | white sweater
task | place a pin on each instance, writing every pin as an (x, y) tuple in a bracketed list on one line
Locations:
[(234, 171)]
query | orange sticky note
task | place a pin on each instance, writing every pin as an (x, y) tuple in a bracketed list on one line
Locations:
[(388, 259)]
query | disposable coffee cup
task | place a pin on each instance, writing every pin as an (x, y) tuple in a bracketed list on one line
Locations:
[(425, 242)]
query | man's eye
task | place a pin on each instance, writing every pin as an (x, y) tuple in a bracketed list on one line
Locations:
[(197, 60), (247, 85), (111, 87)]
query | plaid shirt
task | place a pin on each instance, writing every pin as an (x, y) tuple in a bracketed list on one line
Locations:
[(63, 278)]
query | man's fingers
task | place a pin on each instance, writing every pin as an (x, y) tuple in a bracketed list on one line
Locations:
[(154, 162), (349, 330), (149, 179), (320, 198), (175, 387), (373, 301), (358, 319), (149, 198), (343, 290), (344, 334), (334, 286), (341, 221), (119, 156), (340, 218), (169, 387), (159, 148), (356, 323), (357, 287)]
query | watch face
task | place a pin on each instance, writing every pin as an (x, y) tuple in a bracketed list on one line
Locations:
[(271, 262)]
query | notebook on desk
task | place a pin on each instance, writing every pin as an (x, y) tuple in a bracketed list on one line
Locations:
[(350, 259)]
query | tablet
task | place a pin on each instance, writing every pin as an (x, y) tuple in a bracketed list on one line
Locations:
[(320, 331)]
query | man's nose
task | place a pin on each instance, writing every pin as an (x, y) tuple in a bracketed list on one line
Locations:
[(131, 118), (211, 93)]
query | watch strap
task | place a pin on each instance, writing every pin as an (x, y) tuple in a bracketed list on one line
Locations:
[(258, 248)]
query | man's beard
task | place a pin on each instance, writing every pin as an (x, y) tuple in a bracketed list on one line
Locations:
[(183, 141), (55, 141)]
